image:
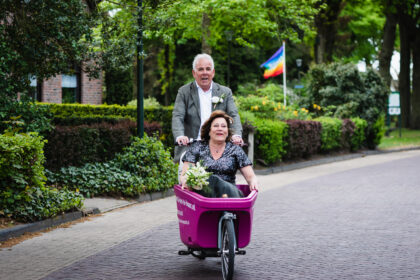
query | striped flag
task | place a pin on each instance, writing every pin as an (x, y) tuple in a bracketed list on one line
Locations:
[(275, 65)]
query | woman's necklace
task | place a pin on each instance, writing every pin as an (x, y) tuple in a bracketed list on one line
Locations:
[(218, 149)]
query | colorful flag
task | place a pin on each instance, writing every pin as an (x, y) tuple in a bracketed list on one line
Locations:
[(275, 65)]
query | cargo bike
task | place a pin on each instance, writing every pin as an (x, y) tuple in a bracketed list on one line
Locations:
[(215, 227)]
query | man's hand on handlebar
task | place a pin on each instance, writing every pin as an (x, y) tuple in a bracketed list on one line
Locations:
[(182, 140), (237, 140)]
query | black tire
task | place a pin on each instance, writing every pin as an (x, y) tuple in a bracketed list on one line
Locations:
[(228, 249)]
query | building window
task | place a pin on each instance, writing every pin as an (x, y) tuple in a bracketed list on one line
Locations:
[(35, 89), (70, 86)]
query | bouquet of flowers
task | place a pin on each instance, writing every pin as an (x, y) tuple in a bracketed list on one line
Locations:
[(197, 177)]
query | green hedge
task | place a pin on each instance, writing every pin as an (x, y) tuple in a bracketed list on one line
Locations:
[(358, 139), (160, 114), (330, 134), (97, 142), (23, 194), (270, 140)]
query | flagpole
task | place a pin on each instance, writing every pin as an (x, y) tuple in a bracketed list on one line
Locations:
[(284, 74)]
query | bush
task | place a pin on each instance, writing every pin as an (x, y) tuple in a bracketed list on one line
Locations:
[(144, 166), (358, 139), (148, 159), (270, 140), (330, 133), (160, 114), (98, 179), (78, 145), (375, 132), (344, 92), (347, 130), (31, 118), (304, 138), (23, 194)]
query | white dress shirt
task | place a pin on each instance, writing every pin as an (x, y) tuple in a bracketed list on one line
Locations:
[(205, 105)]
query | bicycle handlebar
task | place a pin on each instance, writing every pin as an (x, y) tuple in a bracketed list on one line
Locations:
[(192, 140)]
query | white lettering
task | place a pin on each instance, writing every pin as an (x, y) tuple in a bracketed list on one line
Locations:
[(185, 222), (186, 203)]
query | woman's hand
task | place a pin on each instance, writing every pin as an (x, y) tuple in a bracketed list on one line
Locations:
[(250, 177), (253, 185)]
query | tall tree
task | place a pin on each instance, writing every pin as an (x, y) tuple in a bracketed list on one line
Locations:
[(42, 38), (326, 23), (388, 42), (409, 22)]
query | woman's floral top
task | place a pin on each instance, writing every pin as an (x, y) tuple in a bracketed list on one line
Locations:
[(232, 159)]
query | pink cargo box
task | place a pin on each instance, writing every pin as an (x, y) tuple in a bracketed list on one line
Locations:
[(198, 217)]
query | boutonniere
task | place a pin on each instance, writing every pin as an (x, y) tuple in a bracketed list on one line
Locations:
[(216, 100)]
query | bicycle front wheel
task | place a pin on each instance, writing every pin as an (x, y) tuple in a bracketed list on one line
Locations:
[(228, 249)]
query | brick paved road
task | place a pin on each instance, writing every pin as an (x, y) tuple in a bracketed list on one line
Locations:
[(358, 219)]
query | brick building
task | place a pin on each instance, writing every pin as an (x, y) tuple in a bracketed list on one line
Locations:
[(76, 87), (68, 88)]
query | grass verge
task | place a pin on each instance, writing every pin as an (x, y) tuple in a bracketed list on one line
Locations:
[(408, 138)]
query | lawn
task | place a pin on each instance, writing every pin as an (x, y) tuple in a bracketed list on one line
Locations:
[(409, 138)]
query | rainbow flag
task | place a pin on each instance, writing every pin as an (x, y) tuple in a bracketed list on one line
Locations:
[(275, 65)]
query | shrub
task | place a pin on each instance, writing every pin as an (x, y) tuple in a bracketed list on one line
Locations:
[(147, 158), (160, 114), (144, 166), (23, 194), (347, 131), (270, 140), (375, 132), (330, 133), (264, 107), (344, 92), (304, 138), (98, 179), (358, 139), (98, 142), (31, 118)]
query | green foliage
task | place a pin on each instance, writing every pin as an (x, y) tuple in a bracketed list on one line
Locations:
[(119, 86), (330, 133), (23, 194), (358, 138), (160, 114), (270, 140), (267, 102), (97, 142), (343, 92), (148, 159), (30, 117), (98, 179), (376, 132), (41, 38), (144, 166), (147, 102)]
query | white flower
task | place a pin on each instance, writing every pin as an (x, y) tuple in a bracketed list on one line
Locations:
[(197, 177), (216, 100)]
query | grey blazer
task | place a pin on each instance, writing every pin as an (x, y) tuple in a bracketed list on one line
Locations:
[(186, 116)]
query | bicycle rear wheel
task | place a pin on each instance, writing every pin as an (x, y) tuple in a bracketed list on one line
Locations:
[(228, 249)]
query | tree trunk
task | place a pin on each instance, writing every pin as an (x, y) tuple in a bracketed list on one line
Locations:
[(205, 47), (326, 23), (415, 101), (404, 76), (385, 55)]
